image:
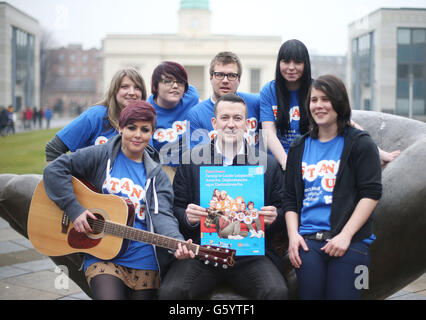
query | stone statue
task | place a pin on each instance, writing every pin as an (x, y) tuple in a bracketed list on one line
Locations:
[(398, 256), (15, 199)]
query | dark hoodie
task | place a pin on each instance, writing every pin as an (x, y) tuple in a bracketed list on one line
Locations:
[(186, 187), (359, 176)]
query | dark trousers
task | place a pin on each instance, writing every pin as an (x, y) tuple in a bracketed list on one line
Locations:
[(323, 277), (251, 277)]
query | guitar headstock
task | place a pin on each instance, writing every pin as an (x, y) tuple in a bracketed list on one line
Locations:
[(217, 255)]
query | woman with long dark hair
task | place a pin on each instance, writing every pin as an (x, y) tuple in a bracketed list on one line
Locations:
[(282, 102)]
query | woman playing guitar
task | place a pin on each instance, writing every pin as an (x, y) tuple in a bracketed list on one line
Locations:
[(127, 167)]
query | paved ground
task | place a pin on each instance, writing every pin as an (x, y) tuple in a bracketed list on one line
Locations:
[(25, 274)]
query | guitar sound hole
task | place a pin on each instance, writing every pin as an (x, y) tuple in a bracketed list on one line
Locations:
[(97, 225)]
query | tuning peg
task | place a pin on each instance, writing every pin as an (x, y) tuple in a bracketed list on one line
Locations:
[(206, 262), (224, 266), (216, 264)]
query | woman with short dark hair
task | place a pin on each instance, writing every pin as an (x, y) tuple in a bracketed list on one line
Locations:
[(172, 98), (126, 166)]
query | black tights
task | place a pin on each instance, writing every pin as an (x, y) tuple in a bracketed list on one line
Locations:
[(108, 287)]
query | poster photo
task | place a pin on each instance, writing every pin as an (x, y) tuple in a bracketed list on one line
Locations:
[(233, 196)]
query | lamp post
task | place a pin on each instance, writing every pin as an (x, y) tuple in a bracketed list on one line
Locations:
[(410, 94)]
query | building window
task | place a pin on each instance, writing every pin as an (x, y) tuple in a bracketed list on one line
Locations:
[(411, 72), (23, 73), (254, 80), (363, 72)]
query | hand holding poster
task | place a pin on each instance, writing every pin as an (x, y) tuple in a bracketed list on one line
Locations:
[(233, 196)]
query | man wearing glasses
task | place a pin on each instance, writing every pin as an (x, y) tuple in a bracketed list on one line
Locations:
[(225, 75)]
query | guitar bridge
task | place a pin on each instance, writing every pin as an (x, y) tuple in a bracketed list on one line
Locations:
[(65, 223)]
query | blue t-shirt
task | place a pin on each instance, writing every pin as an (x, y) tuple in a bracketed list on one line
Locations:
[(320, 164), (172, 126), (200, 117), (87, 129), (127, 179), (268, 112)]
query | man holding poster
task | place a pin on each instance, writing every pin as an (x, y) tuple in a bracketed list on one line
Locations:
[(253, 276)]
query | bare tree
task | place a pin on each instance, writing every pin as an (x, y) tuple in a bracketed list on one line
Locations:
[(48, 62)]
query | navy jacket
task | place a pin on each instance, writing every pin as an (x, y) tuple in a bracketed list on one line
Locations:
[(186, 187)]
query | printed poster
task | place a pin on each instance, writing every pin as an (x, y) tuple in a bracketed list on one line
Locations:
[(233, 196)]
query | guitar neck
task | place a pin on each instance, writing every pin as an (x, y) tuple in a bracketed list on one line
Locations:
[(135, 234)]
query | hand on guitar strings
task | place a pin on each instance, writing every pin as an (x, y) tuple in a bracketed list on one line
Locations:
[(81, 224)]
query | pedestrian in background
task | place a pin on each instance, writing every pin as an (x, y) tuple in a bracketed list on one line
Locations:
[(48, 116)]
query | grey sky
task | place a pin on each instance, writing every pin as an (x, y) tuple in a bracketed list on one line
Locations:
[(321, 25)]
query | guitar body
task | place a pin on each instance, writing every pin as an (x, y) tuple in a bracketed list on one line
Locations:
[(112, 229), (49, 237)]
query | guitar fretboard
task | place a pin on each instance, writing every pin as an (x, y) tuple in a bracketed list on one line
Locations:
[(132, 233)]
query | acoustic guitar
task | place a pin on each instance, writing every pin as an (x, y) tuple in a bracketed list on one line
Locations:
[(52, 233)]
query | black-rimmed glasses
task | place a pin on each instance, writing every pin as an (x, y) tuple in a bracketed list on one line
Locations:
[(222, 75)]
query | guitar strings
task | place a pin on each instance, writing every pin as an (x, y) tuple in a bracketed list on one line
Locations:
[(99, 223)]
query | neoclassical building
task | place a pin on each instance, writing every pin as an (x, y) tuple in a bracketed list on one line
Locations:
[(193, 46)]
